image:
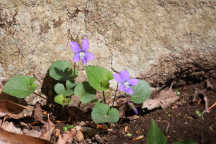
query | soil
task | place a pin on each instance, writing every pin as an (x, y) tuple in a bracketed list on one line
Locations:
[(178, 122)]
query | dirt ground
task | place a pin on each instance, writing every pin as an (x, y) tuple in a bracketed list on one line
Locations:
[(178, 122)]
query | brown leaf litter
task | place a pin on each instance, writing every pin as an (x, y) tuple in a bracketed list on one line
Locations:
[(14, 110), (12, 138), (163, 99)]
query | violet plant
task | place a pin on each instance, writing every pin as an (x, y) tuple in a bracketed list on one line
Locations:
[(65, 73), (126, 84)]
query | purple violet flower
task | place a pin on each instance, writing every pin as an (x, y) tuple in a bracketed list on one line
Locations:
[(81, 53), (125, 82)]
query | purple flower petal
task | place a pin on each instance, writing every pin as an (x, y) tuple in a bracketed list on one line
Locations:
[(133, 82), (135, 110), (89, 56), (84, 60), (122, 87), (76, 57), (129, 91), (85, 44), (117, 77), (75, 46), (124, 75), (133, 107)]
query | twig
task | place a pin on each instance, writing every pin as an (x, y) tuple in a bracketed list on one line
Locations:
[(213, 105), (206, 104), (167, 128), (40, 95)]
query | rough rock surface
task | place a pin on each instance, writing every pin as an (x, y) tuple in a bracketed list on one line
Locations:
[(152, 39)]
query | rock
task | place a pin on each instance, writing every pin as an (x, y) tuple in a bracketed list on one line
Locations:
[(151, 39)]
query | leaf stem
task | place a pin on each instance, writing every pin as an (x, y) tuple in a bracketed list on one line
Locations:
[(104, 99), (74, 70)]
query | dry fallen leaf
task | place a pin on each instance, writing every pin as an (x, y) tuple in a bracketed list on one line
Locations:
[(161, 99), (38, 113), (14, 110), (79, 136), (99, 139), (134, 117), (67, 137), (31, 132), (209, 84), (48, 129), (138, 138), (12, 138), (9, 126)]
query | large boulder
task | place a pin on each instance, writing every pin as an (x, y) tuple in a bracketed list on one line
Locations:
[(152, 39)]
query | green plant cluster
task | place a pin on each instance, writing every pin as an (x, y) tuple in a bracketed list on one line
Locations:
[(98, 80)]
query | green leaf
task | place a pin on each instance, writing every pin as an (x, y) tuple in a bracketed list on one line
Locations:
[(67, 127), (20, 86), (70, 84), (98, 77), (113, 115), (61, 71), (186, 142), (102, 113), (85, 91), (62, 100), (68, 92), (155, 135), (59, 88), (141, 92), (198, 113)]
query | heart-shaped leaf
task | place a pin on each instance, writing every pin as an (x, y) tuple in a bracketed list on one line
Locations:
[(62, 100), (61, 71), (59, 88), (20, 86), (98, 77), (102, 113), (155, 135), (85, 91), (141, 92)]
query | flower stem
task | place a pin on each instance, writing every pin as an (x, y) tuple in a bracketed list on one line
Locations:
[(115, 94), (74, 70)]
